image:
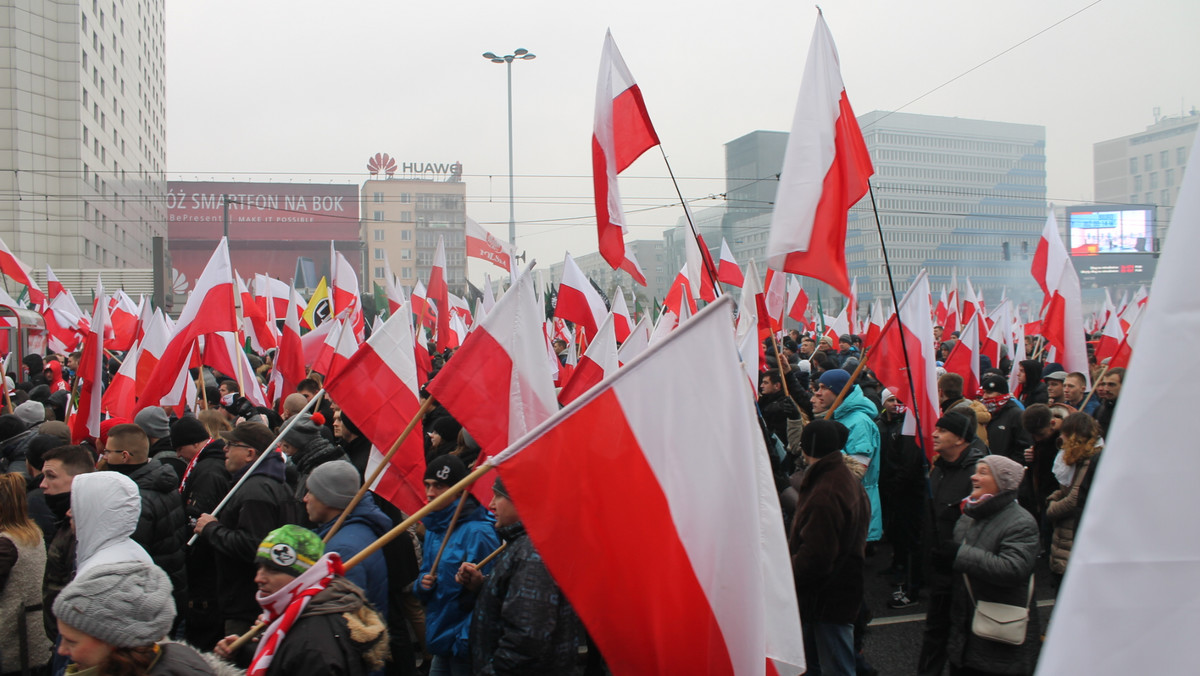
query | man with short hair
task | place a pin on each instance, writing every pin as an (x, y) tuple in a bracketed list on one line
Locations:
[(1108, 389), (807, 347), (162, 527), (228, 387), (1005, 434), (950, 390), (262, 504), (1075, 392), (60, 466), (777, 407), (293, 404), (950, 482), (1054, 386)]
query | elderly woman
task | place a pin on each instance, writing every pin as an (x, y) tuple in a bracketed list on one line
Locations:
[(998, 544)]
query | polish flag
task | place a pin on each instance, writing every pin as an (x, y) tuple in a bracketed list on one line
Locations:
[(951, 323), (911, 330), (1110, 339), (460, 309), (123, 316), (578, 301), (120, 397), (825, 171), (681, 290), (20, 273), (254, 321), (421, 307), (637, 342), (347, 345), (875, 324), (223, 351), (377, 389), (698, 261), (85, 424), (728, 271), (63, 324), (940, 312), (486, 246), (289, 358), (667, 321), (323, 360), (690, 521), (746, 332), (775, 297), (797, 301), (631, 265), (620, 134), (151, 348), (439, 293), (622, 324), (999, 333), (209, 309), (1017, 354), (395, 293), (53, 287), (597, 363), (1130, 551), (344, 292), (1062, 321), (964, 358), (498, 385)]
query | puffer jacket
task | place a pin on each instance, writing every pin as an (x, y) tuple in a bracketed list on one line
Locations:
[(998, 545), (1063, 509), (366, 524), (523, 623), (336, 634), (857, 413), (22, 642), (448, 606), (162, 527), (106, 507)]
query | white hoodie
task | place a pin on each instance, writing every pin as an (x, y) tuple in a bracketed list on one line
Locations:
[(105, 507)]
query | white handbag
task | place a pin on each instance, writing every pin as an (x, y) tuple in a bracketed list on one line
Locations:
[(1000, 622)]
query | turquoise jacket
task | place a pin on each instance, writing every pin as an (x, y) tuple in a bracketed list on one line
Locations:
[(857, 413)]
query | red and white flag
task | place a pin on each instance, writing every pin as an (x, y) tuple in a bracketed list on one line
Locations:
[(825, 171), (621, 132), (377, 390), (498, 384), (964, 358), (255, 325), (680, 294), (20, 273), (578, 301), (344, 292), (637, 342), (939, 312), (683, 520), (728, 270), (120, 397), (85, 424), (910, 331), (288, 368), (951, 323), (439, 293), (123, 315), (597, 363), (622, 324), (698, 262), (875, 323), (484, 245), (1062, 321), (1110, 339), (775, 297), (425, 312), (797, 301), (747, 335), (209, 309)]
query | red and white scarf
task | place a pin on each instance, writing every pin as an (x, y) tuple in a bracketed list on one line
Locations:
[(192, 463), (283, 607)]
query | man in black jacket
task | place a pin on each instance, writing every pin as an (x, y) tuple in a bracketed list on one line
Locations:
[(1006, 436), (204, 483), (950, 482), (262, 504), (162, 527)]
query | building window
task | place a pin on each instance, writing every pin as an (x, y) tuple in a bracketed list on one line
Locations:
[(1148, 160), (379, 235), (378, 215), (1170, 177), (1164, 159), (1153, 180), (378, 197), (406, 235), (406, 254), (1137, 182), (1165, 197), (379, 254), (406, 216), (1180, 155), (1133, 165), (406, 273), (379, 272), (405, 198)]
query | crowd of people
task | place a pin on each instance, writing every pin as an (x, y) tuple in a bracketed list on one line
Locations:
[(158, 548), (1003, 482)]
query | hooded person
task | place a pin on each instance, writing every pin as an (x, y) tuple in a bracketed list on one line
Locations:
[(331, 487), (16, 431), (308, 449), (54, 376), (1033, 390), (105, 507), (114, 618), (858, 414), (448, 605), (522, 623), (262, 504), (318, 622)]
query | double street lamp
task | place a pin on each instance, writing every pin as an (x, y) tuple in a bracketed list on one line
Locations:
[(521, 54)]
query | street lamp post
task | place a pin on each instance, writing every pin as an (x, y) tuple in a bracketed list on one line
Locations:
[(522, 54)]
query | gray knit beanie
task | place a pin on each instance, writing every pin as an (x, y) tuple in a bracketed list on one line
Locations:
[(303, 431), (31, 413), (126, 604), (1007, 472), (334, 483), (154, 422)]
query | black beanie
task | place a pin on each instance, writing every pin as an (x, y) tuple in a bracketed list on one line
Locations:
[(446, 469), (957, 423), (188, 430), (822, 437)]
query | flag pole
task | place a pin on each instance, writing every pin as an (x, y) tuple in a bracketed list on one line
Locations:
[(779, 365), (257, 461), (449, 530), (899, 322), (705, 257), (1100, 377), (387, 459), (488, 559), (849, 384)]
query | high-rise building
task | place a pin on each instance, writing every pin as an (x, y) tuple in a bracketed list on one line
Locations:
[(1146, 168), (83, 132), (402, 218)]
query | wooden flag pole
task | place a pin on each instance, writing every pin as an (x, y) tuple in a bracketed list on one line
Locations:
[(449, 529), (1100, 377), (779, 365), (488, 559), (849, 385), (435, 504), (362, 490)]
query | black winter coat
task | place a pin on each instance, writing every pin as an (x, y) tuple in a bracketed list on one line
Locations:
[(523, 624), (359, 452), (162, 526), (777, 409), (828, 540), (949, 483), (337, 634), (903, 466), (261, 505), (1006, 435), (206, 485)]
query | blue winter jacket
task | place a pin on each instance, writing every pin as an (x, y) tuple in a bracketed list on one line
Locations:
[(857, 413), (448, 606), (366, 524)]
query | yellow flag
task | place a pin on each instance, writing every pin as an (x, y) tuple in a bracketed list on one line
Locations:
[(318, 307)]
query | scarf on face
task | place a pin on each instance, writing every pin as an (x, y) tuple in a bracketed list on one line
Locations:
[(994, 402), (192, 463), (282, 608)]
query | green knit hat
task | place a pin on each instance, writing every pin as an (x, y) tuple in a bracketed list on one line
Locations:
[(291, 549)]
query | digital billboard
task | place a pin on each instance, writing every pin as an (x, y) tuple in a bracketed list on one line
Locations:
[(1096, 230)]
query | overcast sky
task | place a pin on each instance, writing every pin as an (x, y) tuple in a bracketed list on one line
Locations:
[(307, 91)]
